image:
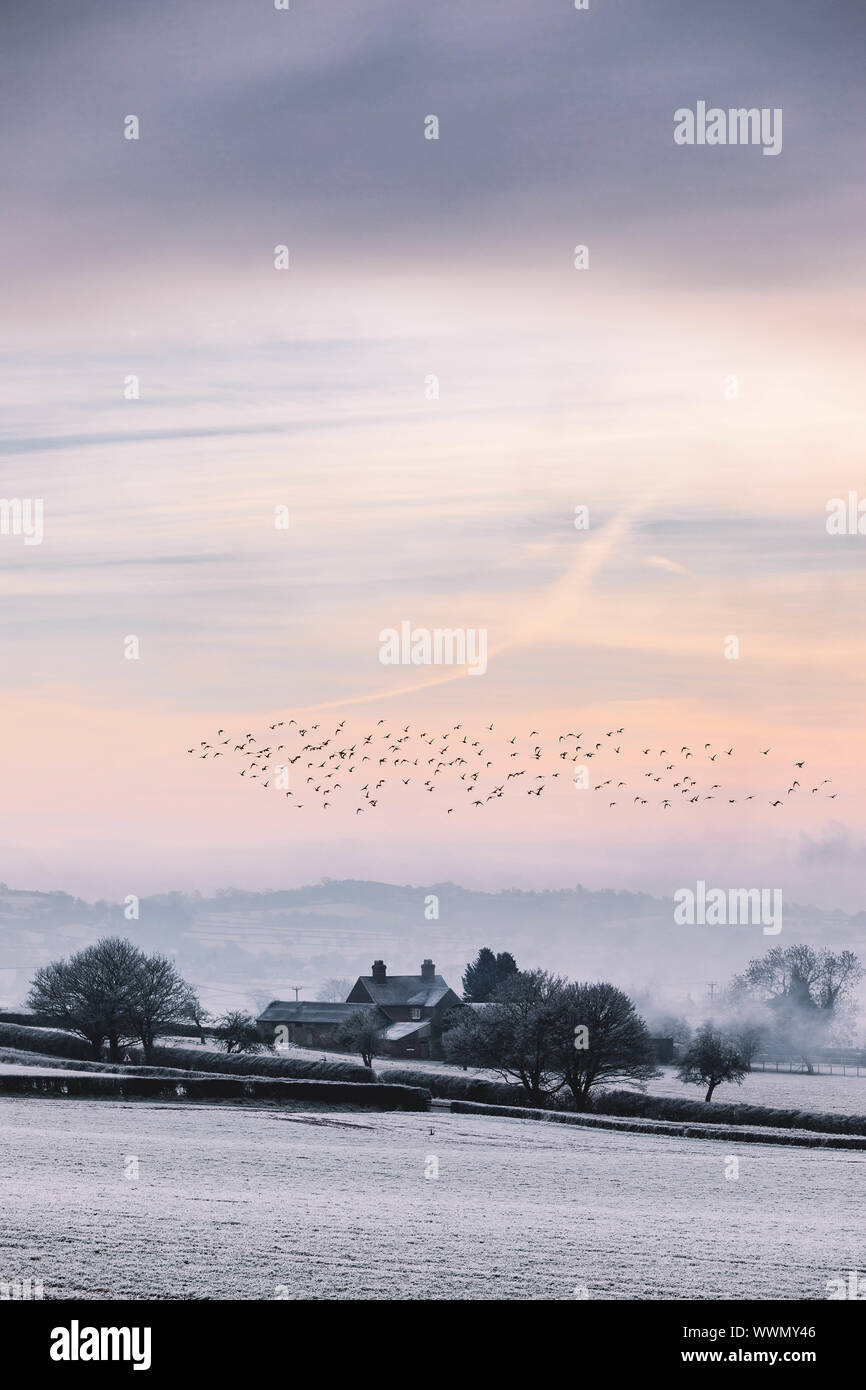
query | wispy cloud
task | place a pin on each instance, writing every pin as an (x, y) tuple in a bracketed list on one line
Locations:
[(661, 562)]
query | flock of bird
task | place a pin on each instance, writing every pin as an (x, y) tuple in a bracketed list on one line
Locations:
[(313, 765)]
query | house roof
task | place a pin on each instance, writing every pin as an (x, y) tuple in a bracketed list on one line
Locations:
[(404, 1030), (405, 989), (308, 1011)]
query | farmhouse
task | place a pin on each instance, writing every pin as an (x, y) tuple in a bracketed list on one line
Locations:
[(308, 1024), (409, 1009)]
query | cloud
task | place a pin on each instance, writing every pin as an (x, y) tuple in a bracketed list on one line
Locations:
[(45, 443), (256, 123), (661, 562)]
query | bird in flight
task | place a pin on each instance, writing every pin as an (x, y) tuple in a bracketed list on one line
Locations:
[(459, 759)]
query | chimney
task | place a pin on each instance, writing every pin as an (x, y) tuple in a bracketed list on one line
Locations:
[(379, 971), (428, 971)]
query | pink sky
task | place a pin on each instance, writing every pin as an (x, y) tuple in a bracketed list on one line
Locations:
[(608, 388)]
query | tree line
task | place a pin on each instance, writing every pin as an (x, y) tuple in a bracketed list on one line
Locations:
[(550, 1035), (114, 994)]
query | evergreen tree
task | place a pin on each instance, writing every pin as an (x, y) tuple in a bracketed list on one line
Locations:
[(486, 973)]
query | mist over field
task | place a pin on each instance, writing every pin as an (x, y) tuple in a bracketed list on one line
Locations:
[(244, 948)]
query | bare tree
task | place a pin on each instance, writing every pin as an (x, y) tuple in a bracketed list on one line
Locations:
[(600, 1037), (159, 997), (711, 1059), (802, 975), (69, 1001), (748, 1035), (806, 993), (91, 993), (112, 992), (360, 1033), (198, 1015), (514, 1034), (334, 991), (239, 1032)]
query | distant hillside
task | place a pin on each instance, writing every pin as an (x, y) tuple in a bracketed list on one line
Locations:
[(240, 943)]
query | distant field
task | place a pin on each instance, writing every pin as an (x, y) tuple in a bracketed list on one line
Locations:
[(840, 1095), (231, 1203)]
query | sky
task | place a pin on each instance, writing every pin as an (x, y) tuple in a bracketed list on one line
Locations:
[(698, 388)]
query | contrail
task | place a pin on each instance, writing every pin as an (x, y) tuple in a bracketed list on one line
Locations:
[(543, 616)]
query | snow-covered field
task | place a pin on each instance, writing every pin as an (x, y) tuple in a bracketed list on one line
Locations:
[(836, 1094), (233, 1203), (24, 1069)]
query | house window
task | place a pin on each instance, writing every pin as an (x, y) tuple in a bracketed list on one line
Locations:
[(416, 1013)]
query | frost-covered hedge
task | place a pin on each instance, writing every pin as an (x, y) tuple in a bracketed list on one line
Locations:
[(50, 1040), (57, 1043), (54, 1042), (648, 1107), (185, 1030), (729, 1133), (43, 1060), (449, 1086), (369, 1095), (255, 1064)]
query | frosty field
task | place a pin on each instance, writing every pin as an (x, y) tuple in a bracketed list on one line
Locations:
[(836, 1094), (24, 1069), (235, 1202)]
